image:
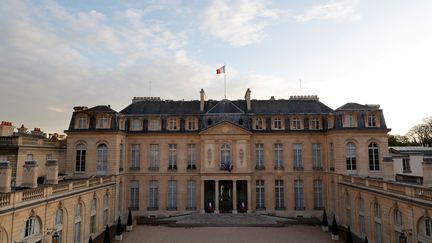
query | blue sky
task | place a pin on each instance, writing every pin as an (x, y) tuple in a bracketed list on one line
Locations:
[(60, 54)]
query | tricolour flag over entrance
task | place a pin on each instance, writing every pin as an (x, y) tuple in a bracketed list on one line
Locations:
[(220, 70)]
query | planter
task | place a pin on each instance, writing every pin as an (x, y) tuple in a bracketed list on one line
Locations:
[(335, 237), (129, 228), (119, 237), (325, 228)]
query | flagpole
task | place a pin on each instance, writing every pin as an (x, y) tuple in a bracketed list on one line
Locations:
[(224, 81)]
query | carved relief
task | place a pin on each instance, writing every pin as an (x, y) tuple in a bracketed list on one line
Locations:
[(241, 156), (209, 156)]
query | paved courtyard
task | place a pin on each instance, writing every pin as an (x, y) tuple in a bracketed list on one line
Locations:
[(286, 234)]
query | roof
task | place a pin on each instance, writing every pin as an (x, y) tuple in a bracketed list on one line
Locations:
[(291, 106), (353, 106), (101, 108), (411, 149), (163, 107), (225, 106)]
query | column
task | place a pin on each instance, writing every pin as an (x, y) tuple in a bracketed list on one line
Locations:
[(216, 196), (249, 196), (234, 196), (202, 203)]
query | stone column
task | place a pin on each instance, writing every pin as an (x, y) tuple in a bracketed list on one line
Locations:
[(51, 172), (203, 205), (234, 196), (30, 174), (427, 170), (249, 196), (5, 176), (388, 171), (216, 196)]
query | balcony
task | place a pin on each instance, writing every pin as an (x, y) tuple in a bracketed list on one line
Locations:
[(226, 166), (191, 167), (172, 167), (259, 167)]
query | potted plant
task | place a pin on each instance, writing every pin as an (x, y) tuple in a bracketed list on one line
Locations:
[(119, 230), (129, 222)]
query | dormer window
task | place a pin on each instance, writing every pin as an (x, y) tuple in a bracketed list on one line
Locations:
[(121, 124), (136, 125), (191, 124), (173, 124), (259, 123), (277, 123), (154, 125), (295, 123), (103, 122), (371, 120), (82, 122), (349, 120), (315, 124)]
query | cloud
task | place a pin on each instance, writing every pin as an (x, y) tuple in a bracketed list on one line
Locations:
[(238, 22), (333, 10), (56, 109)]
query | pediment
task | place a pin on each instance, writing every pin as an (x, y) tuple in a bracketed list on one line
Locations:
[(225, 128)]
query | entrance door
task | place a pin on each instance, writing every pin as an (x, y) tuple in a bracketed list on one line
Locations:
[(242, 203), (209, 196), (225, 196)]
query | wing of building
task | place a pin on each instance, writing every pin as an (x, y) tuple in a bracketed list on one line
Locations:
[(288, 157)]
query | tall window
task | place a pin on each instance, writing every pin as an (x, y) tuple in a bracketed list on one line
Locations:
[(350, 155), (361, 218), (153, 195), (378, 224), (154, 157), (428, 227), (31, 227), (295, 123), (397, 219), (191, 124), (136, 125), (279, 194), (105, 209), (406, 165), (259, 123), (316, 156), (102, 122), (121, 155), (225, 155), (297, 153), (58, 224), (82, 122), (102, 159), (93, 216), (29, 157), (172, 156), (172, 195), (348, 120), (191, 195), (298, 195), (332, 156), (278, 160), (80, 158), (134, 195), (260, 199), (259, 156), (348, 209), (191, 156), (318, 194), (315, 124), (154, 125), (371, 120), (373, 157), (277, 123), (77, 226), (135, 163)]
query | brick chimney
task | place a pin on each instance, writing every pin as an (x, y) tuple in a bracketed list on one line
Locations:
[(5, 176), (248, 99), (6, 128), (202, 100), (30, 174), (51, 172)]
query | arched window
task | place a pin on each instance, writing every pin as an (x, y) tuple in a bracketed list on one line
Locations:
[(373, 157), (105, 209), (350, 154), (348, 209), (225, 155), (361, 218), (58, 224), (378, 223), (102, 159), (77, 226), (80, 158), (425, 230), (93, 216), (397, 224), (31, 228)]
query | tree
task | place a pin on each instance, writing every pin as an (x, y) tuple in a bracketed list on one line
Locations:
[(349, 238), (398, 140), (422, 133), (107, 238), (366, 240), (324, 222), (119, 229), (90, 240), (335, 229)]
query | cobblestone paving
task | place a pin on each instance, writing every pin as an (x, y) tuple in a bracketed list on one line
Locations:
[(287, 234), (228, 220)]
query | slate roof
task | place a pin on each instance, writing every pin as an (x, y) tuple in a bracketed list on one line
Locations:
[(270, 107), (101, 108), (411, 149), (353, 106)]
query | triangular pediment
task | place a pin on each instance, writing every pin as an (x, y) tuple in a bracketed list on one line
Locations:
[(225, 128)]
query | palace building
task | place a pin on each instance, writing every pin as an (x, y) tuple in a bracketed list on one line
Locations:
[(288, 157)]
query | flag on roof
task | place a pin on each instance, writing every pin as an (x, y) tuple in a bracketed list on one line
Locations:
[(220, 70)]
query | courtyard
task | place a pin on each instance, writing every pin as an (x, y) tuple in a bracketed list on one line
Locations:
[(286, 234)]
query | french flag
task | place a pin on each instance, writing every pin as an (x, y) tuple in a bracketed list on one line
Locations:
[(220, 70)]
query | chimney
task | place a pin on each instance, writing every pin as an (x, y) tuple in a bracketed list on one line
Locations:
[(51, 172), (30, 174), (5, 176), (388, 168), (202, 99), (37, 131), (6, 128), (22, 129), (248, 99)]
